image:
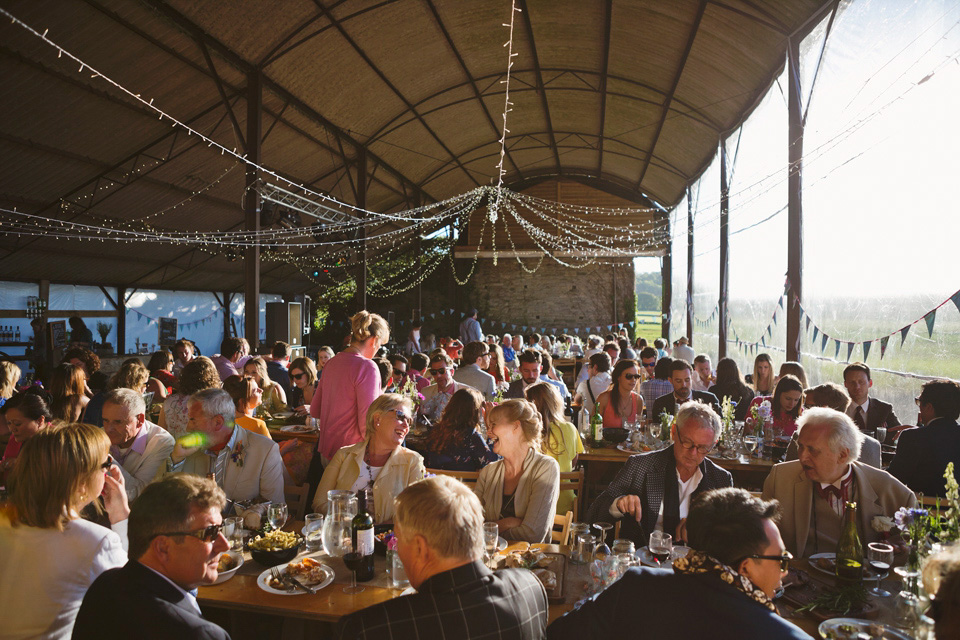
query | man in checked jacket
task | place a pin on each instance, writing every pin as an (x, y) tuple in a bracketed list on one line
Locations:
[(652, 492)]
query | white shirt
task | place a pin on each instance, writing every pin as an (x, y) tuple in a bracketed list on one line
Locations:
[(852, 409), (836, 503), (187, 595), (686, 491), (366, 478), (598, 383)]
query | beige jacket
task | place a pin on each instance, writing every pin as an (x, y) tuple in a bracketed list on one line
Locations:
[(879, 494), (403, 468), (535, 500)]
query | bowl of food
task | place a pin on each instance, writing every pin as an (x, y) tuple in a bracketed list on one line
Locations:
[(276, 547), (615, 435), (230, 562)]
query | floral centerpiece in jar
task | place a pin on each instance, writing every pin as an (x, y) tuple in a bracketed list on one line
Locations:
[(760, 416)]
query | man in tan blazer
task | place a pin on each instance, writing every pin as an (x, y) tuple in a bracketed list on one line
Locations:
[(813, 490)]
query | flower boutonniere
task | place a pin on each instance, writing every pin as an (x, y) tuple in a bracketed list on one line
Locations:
[(237, 456)]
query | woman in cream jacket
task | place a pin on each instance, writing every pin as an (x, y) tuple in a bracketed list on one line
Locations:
[(379, 462), (520, 492)]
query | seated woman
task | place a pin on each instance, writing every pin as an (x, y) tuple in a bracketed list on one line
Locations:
[(561, 440), (455, 443), (199, 374), (730, 384), (498, 367), (303, 382), (54, 554), (67, 386), (274, 398), (762, 379), (161, 383), (380, 461), (25, 413), (786, 404), (794, 369), (184, 351), (520, 492), (621, 402), (246, 394)]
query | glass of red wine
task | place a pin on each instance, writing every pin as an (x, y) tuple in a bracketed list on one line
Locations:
[(352, 559), (661, 547), (880, 556)]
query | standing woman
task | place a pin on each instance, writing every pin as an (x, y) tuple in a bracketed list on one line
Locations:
[(621, 402), (303, 374), (520, 491), (561, 440), (199, 374), (763, 375), (67, 386), (274, 399), (49, 554), (352, 382)]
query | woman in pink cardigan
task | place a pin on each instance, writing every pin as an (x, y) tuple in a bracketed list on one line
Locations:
[(350, 382)]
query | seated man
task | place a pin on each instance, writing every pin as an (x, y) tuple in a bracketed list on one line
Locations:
[(473, 370), (599, 381), (438, 394), (140, 448), (228, 360), (832, 395), (509, 354), (813, 490), (418, 365), (278, 366), (923, 454), (530, 366), (867, 413), (656, 383), (723, 588), (652, 491), (681, 379), (439, 528), (175, 543), (703, 377), (245, 465)]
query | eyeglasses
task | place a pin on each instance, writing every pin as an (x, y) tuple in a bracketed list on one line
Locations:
[(403, 417), (438, 372), (109, 463), (632, 376), (207, 534), (784, 559), (650, 365), (702, 449), (297, 376)]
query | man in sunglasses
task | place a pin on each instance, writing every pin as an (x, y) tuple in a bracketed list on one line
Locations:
[(438, 394), (652, 492), (175, 545), (722, 589)]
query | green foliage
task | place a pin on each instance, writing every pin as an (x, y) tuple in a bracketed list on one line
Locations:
[(647, 302)]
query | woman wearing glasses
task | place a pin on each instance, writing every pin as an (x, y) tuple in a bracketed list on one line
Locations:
[(379, 462), (247, 395), (49, 555), (303, 376), (621, 402)]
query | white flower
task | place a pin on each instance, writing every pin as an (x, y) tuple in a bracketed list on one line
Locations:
[(882, 524)]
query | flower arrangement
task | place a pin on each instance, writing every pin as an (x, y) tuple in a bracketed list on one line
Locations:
[(237, 456), (103, 328), (759, 416), (409, 390)]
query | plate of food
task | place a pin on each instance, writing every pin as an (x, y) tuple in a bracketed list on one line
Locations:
[(230, 562), (647, 559), (286, 413), (297, 428), (827, 563), (548, 567), (855, 628), (310, 572)]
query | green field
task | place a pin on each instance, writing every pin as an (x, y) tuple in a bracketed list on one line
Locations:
[(648, 325)]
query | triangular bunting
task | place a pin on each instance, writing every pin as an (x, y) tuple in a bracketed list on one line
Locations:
[(808, 324), (850, 346), (769, 331), (823, 342), (816, 332), (836, 353), (955, 298), (774, 317), (866, 349), (883, 346), (930, 318), (780, 302), (903, 334)]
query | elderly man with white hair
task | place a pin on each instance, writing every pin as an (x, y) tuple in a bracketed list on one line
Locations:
[(138, 446), (814, 489)]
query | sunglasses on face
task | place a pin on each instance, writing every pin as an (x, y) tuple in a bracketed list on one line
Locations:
[(438, 372), (207, 534), (784, 559), (403, 417), (297, 376), (632, 376), (650, 365)]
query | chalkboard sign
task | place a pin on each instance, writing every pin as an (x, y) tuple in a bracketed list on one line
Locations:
[(168, 332), (58, 334)]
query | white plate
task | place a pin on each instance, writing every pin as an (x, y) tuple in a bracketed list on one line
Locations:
[(297, 428), (226, 575), (868, 571), (286, 413), (263, 577), (852, 626), (623, 446), (679, 551)]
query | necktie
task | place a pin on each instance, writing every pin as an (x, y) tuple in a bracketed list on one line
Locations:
[(860, 419)]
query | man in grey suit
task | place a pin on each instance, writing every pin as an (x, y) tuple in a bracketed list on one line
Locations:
[(139, 447), (473, 370), (245, 465)]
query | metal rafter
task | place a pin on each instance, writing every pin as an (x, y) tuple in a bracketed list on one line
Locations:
[(383, 78), (768, 20), (237, 131), (673, 89), (539, 75), (607, 20)]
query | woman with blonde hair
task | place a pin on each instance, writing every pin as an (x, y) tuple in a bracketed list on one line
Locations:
[(67, 386), (49, 553), (303, 384), (379, 462), (520, 491), (246, 394), (9, 376), (455, 443), (763, 375), (561, 440), (198, 374), (274, 398)]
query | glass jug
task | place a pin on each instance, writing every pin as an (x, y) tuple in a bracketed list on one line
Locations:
[(341, 508)]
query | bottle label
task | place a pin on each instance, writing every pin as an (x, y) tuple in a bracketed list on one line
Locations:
[(365, 541)]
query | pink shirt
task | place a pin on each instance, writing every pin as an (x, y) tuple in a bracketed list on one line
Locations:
[(350, 383)]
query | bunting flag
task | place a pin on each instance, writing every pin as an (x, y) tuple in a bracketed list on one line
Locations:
[(808, 324), (780, 302), (929, 318), (769, 331), (775, 317), (850, 346), (903, 334), (823, 344), (955, 298), (866, 349), (816, 331), (836, 353), (883, 346)]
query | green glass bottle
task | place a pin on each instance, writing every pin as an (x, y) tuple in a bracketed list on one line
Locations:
[(596, 428), (849, 548)]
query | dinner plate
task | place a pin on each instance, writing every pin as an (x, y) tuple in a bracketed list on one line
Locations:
[(626, 448), (679, 551), (868, 572), (265, 576), (297, 428), (839, 628), (286, 413)]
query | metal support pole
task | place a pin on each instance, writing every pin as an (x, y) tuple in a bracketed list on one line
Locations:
[(251, 209), (121, 320), (690, 265), (666, 284), (362, 204), (794, 201), (724, 250)]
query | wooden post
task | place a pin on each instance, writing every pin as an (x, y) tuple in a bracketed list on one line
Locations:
[(121, 320), (666, 285), (724, 250), (251, 209), (794, 200), (225, 304), (690, 266)]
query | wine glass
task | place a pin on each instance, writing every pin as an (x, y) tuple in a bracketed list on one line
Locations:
[(880, 556), (750, 443), (881, 434), (655, 429), (353, 558), (602, 550), (491, 536), (660, 547), (277, 514)]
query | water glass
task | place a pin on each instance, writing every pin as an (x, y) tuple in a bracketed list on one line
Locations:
[(313, 530), (881, 434), (577, 528), (491, 535), (623, 545), (586, 543), (233, 532), (398, 575), (277, 514)]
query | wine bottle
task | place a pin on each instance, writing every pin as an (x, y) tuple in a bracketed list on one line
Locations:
[(362, 533), (849, 548), (596, 427)]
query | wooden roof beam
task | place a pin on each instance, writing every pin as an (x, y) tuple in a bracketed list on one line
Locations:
[(607, 20), (541, 91)]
